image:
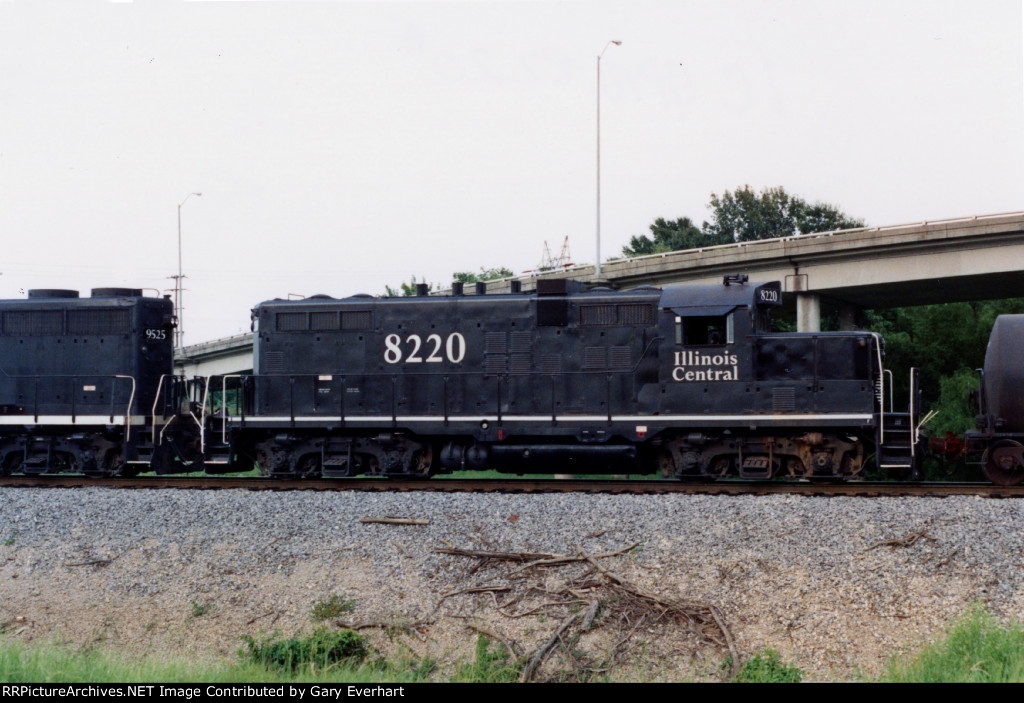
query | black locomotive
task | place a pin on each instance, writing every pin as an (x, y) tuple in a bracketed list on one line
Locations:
[(689, 381), (87, 386)]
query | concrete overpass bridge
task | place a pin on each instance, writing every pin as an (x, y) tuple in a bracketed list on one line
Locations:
[(971, 258)]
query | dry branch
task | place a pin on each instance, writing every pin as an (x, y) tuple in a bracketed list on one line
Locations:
[(94, 562), (907, 541), (473, 589), (502, 556), (542, 653), (394, 625), (625, 608), (510, 645), (395, 520)]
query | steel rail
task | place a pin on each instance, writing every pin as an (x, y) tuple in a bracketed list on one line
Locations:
[(866, 489)]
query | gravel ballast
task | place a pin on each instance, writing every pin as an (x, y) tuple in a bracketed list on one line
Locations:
[(836, 585)]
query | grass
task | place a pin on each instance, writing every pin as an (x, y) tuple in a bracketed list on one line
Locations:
[(54, 663), (333, 607), (767, 667), (975, 649), (319, 651), (488, 666)]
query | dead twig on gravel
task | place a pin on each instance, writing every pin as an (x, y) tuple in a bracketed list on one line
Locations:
[(394, 521), (94, 562), (411, 628), (542, 653), (473, 589), (260, 617), (502, 556), (510, 645), (907, 541), (559, 560), (597, 597)]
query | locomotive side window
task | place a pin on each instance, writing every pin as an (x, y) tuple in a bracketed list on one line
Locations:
[(703, 331)]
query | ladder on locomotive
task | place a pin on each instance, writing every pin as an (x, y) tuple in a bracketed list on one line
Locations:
[(899, 433)]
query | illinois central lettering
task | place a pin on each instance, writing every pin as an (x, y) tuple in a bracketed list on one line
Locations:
[(695, 366)]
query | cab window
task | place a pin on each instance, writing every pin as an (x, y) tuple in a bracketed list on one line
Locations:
[(704, 331)]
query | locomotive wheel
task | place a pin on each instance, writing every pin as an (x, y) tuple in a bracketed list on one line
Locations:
[(162, 461), (12, 463), (309, 466), (1003, 463)]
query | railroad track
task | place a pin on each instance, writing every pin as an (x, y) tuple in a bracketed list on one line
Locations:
[(864, 489)]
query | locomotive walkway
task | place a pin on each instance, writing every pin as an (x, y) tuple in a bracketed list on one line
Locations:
[(971, 258)]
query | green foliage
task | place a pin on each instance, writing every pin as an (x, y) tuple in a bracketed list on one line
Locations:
[(767, 667), (43, 662), (488, 666), (743, 216), (317, 651), (975, 649), (10, 540), (407, 289), (333, 607), (199, 610), (484, 275), (947, 343), (671, 236)]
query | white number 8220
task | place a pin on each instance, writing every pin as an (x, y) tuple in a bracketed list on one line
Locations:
[(454, 349)]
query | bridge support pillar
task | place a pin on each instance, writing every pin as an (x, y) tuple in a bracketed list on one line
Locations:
[(808, 312)]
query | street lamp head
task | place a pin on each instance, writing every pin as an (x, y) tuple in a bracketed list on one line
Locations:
[(616, 42)]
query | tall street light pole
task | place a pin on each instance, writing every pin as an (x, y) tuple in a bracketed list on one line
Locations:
[(178, 290), (597, 268)]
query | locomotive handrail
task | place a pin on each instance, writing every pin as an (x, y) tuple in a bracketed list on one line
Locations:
[(35, 378), (881, 387), (152, 414), (892, 401), (224, 405), (128, 412), (201, 420)]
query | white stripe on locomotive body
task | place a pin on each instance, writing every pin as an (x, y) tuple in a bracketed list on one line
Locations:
[(653, 419), (67, 420)]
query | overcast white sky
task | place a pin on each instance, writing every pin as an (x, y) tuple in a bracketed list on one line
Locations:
[(341, 146)]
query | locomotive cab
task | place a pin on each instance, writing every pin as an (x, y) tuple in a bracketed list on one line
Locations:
[(758, 403)]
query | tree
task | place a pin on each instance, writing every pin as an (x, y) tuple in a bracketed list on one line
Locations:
[(406, 289), (484, 275), (669, 236), (409, 289), (743, 216)]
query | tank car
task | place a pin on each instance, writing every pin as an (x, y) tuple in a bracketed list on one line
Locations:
[(999, 436), (86, 384), (688, 381)]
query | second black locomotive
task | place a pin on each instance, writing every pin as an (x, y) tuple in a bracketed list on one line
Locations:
[(689, 381)]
